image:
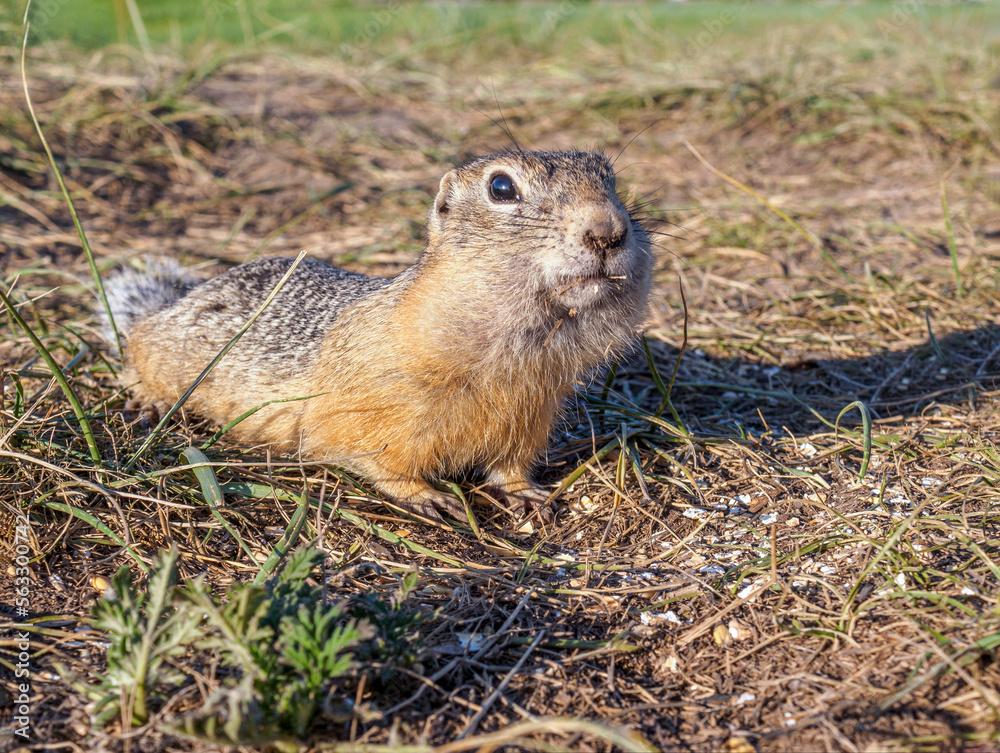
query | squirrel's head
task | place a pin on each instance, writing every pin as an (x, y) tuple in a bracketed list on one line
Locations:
[(548, 225)]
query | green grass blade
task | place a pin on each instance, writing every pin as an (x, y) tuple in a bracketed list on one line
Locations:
[(212, 493), (610, 378), (62, 185), (470, 515), (657, 380), (952, 250), (664, 389), (221, 432), (94, 522), (284, 545), (677, 365), (885, 550), (581, 469), (58, 375), (866, 423), (933, 340)]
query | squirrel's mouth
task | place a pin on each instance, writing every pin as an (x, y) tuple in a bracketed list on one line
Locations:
[(598, 281), (587, 290)]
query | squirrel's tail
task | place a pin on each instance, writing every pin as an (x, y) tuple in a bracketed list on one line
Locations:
[(132, 295)]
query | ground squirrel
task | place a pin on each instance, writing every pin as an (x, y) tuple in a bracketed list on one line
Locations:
[(534, 275)]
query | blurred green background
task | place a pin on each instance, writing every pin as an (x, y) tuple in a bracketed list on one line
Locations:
[(315, 25)]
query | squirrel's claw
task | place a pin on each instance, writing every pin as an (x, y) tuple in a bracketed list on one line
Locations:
[(137, 411), (532, 499), (430, 503), (522, 497), (434, 504)]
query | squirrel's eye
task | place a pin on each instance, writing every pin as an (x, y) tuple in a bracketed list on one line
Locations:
[(502, 188)]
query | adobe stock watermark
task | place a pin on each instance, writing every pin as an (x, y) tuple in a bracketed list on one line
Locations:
[(221, 7), (377, 22), (556, 14), (39, 15), (41, 12), (21, 639), (903, 12), (713, 28)]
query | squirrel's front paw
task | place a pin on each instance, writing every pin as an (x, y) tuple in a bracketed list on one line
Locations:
[(427, 502), (135, 411), (522, 497), (532, 499)]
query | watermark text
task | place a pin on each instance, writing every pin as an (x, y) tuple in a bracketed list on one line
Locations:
[(22, 638)]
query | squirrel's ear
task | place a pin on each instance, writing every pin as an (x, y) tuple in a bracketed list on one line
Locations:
[(442, 205)]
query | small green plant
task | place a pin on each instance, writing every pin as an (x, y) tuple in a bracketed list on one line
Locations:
[(144, 632), (283, 647), (286, 648), (397, 639)]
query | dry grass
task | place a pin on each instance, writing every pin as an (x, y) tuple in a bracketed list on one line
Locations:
[(855, 614)]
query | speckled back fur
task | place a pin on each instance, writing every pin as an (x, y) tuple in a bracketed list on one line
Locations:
[(284, 339)]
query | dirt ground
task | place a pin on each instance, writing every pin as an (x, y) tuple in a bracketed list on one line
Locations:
[(730, 582)]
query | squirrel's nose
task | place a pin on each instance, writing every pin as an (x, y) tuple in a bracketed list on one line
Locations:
[(606, 234)]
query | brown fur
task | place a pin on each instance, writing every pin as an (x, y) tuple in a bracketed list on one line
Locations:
[(460, 362)]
